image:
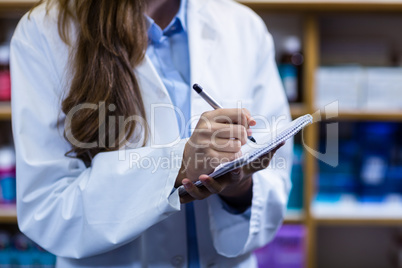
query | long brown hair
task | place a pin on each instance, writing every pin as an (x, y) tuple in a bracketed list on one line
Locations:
[(111, 41)]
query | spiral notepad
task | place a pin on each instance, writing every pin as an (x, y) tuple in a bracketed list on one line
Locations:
[(252, 151)]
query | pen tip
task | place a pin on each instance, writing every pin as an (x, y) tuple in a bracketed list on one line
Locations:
[(197, 88), (252, 139)]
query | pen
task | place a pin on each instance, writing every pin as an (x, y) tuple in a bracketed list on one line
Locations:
[(212, 102)]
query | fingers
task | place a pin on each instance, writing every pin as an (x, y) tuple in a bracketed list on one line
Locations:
[(251, 121), (219, 135), (231, 116), (262, 162), (210, 186), (226, 145), (197, 193), (226, 131)]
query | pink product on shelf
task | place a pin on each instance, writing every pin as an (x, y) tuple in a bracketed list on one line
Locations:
[(287, 250), (5, 80), (5, 85), (8, 171)]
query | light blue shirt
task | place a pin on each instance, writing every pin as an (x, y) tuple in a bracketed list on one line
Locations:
[(168, 50)]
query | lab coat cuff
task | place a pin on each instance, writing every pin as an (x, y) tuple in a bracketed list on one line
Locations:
[(173, 197), (267, 192), (265, 223), (237, 234), (229, 231)]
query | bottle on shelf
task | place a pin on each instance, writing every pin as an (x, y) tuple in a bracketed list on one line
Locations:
[(296, 194), (5, 249), (287, 250), (378, 139), (5, 80), (17, 251), (24, 251), (7, 175), (290, 68)]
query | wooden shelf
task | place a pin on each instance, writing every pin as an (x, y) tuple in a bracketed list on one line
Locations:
[(5, 111), (294, 216), (8, 213), (366, 115), (297, 109), (360, 222), (355, 213), (275, 5), (371, 115), (325, 5), (11, 4)]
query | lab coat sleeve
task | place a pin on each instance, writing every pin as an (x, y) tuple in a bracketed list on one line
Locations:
[(69, 209), (235, 234)]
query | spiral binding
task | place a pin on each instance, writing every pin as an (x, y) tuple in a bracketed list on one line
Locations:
[(284, 135)]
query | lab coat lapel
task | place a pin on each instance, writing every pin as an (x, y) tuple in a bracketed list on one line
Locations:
[(202, 37), (157, 102), (147, 71)]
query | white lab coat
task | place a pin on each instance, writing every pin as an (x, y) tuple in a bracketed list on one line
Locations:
[(117, 214)]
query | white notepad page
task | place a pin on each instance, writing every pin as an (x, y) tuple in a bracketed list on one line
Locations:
[(266, 144)]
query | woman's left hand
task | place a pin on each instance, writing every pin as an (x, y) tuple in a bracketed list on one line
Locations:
[(235, 187)]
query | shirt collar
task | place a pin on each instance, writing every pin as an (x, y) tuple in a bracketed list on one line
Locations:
[(178, 24), (181, 14)]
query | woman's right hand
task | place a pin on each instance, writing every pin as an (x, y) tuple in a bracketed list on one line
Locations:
[(217, 138)]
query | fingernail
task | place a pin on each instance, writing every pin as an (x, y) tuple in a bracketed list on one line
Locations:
[(252, 121), (249, 132), (186, 185), (236, 172), (206, 180)]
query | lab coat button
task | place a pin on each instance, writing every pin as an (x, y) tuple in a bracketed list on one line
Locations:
[(177, 261)]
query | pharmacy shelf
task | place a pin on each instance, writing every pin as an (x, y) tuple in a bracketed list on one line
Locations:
[(297, 109), (360, 222), (5, 111), (325, 5), (8, 213), (17, 3), (274, 5), (294, 216), (364, 115), (355, 213)]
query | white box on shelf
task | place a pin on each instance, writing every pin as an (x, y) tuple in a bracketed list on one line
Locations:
[(384, 88), (350, 208), (341, 83)]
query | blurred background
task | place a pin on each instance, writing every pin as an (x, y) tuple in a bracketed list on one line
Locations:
[(340, 60)]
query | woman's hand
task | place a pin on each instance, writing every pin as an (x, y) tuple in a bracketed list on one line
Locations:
[(235, 187), (210, 186), (217, 138)]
